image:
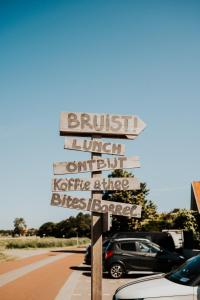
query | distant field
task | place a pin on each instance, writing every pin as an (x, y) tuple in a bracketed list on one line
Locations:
[(37, 242)]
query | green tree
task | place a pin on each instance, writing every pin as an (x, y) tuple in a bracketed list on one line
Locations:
[(20, 226), (63, 228), (138, 197), (83, 225), (47, 229), (184, 219), (71, 227), (197, 222)]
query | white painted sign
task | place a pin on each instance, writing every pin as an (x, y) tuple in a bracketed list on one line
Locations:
[(96, 146), (87, 124), (95, 184), (92, 165), (96, 205)]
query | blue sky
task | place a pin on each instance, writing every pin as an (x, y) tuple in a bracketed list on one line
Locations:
[(120, 57)]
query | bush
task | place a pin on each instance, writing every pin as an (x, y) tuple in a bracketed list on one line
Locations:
[(44, 243)]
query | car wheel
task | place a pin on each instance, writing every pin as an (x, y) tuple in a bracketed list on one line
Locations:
[(116, 271)]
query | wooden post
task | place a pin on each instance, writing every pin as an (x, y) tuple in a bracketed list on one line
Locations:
[(96, 235)]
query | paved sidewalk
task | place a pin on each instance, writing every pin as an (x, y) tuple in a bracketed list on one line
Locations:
[(78, 285)]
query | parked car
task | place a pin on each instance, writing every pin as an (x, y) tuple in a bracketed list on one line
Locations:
[(87, 258), (141, 256), (180, 284), (163, 239)]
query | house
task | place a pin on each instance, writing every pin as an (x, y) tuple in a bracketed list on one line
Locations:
[(195, 196)]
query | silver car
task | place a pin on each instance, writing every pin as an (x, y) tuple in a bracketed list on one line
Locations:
[(180, 284)]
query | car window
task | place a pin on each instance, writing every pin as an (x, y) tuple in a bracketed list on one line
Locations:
[(143, 248), (130, 246), (188, 273), (147, 248), (105, 244)]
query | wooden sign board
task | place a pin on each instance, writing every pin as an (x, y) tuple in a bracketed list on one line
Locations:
[(92, 165), (96, 146), (95, 184), (96, 205), (87, 124)]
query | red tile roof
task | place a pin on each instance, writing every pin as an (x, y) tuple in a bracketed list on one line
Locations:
[(196, 191)]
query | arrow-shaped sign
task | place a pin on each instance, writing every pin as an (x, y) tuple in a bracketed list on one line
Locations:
[(90, 124), (96, 205)]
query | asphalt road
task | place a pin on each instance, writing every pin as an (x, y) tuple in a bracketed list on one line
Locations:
[(54, 275)]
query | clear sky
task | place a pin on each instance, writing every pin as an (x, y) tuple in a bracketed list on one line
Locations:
[(137, 57)]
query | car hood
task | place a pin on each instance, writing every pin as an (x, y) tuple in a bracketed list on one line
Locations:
[(152, 287)]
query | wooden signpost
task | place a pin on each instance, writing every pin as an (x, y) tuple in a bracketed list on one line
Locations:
[(97, 126), (95, 205), (98, 164), (93, 184), (85, 124), (95, 146)]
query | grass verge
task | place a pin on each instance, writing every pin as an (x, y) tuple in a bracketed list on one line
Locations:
[(25, 243), (4, 257)]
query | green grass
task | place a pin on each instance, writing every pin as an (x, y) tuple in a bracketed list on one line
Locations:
[(25, 243), (4, 257)]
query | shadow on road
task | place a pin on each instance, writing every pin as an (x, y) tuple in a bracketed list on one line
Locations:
[(69, 251), (80, 268), (86, 271)]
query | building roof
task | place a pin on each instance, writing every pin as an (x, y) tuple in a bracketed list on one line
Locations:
[(195, 196)]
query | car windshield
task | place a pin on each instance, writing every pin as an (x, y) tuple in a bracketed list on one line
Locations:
[(188, 273)]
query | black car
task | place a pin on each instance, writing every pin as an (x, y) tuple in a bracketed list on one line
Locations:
[(163, 239), (87, 258), (140, 256)]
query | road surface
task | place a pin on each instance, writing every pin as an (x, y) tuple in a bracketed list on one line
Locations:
[(52, 275), (37, 277)]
